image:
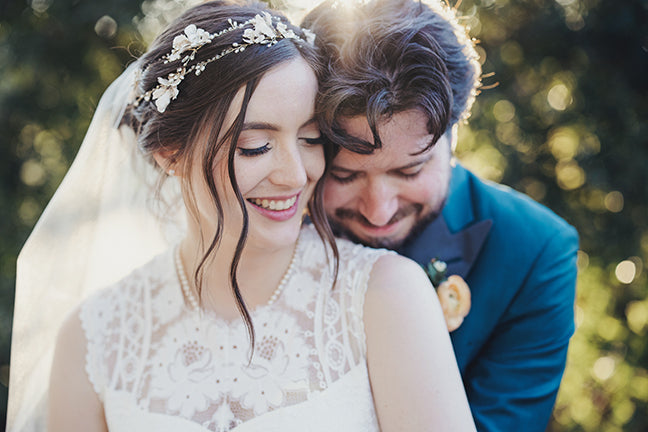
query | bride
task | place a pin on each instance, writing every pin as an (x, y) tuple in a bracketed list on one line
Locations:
[(237, 317)]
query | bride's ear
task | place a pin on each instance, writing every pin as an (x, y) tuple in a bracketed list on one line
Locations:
[(167, 161)]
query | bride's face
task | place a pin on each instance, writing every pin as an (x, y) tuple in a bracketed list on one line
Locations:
[(279, 159)]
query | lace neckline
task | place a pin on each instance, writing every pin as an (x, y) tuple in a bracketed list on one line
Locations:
[(193, 301)]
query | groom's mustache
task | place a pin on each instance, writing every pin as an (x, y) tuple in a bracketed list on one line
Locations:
[(351, 215)]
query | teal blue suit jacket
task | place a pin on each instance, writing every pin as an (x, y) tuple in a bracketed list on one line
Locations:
[(519, 260)]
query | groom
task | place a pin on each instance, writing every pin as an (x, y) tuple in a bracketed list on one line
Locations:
[(401, 77)]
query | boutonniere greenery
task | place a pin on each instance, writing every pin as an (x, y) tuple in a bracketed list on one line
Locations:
[(453, 292)]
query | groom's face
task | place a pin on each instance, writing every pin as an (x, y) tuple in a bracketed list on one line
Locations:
[(384, 198)]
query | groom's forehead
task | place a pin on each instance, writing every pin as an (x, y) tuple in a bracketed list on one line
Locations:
[(404, 132)]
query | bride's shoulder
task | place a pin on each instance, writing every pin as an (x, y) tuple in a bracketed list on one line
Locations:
[(397, 279), (128, 296), (153, 274)]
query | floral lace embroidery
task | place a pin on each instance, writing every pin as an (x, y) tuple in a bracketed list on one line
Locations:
[(143, 340)]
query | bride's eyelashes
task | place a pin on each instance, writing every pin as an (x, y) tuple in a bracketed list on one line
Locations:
[(257, 151), (254, 151), (314, 141)]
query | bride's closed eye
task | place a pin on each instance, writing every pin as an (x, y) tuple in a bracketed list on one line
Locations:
[(254, 151), (314, 141), (257, 151)]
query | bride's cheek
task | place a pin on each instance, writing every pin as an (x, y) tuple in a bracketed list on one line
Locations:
[(316, 163)]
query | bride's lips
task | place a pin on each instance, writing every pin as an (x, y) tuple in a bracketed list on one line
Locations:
[(276, 208)]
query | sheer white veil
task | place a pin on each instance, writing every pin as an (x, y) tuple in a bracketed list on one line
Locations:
[(98, 227)]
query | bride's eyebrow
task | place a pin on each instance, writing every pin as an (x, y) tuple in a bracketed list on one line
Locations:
[(271, 126), (260, 126)]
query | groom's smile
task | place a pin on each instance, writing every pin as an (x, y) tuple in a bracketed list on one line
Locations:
[(380, 199)]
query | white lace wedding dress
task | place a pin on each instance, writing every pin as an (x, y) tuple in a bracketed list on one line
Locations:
[(157, 365)]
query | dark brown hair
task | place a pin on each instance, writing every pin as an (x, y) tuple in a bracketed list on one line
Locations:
[(194, 121), (389, 56)]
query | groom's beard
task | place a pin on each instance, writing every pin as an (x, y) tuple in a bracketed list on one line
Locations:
[(421, 221)]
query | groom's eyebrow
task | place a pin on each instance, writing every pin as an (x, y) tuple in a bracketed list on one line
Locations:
[(346, 170), (412, 164)]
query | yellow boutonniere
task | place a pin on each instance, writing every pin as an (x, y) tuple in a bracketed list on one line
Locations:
[(453, 292)]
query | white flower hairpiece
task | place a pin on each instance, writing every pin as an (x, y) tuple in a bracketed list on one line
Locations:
[(185, 46)]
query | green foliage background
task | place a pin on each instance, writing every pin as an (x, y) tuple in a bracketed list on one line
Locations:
[(563, 118)]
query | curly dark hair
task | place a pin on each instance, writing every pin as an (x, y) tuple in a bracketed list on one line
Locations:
[(388, 56)]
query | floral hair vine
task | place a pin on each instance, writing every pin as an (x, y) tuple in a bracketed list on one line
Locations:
[(185, 46)]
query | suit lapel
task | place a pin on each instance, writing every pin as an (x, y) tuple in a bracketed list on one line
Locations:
[(455, 236), (459, 251)]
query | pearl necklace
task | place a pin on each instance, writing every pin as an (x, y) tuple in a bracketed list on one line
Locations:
[(193, 301)]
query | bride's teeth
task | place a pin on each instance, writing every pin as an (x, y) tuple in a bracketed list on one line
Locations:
[(275, 205)]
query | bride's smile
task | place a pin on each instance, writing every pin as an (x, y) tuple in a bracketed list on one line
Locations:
[(278, 161), (276, 208)]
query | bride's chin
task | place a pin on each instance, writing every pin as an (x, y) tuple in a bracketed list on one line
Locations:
[(273, 240)]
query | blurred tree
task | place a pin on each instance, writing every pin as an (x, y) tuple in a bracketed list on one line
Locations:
[(566, 124), (56, 58)]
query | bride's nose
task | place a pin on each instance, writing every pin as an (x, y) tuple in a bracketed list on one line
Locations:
[(289, 168)]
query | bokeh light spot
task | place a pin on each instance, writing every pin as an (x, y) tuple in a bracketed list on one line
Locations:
[(509, 134), (569, 175), (487, 162), (625, 271), (640, 385), (594, 200), (511, 53), (41, 6), (623, 411), (604, 368), (563, 143), (581, 409), (106, 27), (609, 328), (614, 201), (28, 211), (47, 145), (559, 97), (637, 316), (503, 111), (32, 173), (590, 144)]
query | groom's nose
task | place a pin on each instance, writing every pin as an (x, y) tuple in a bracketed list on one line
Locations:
[(378, 202)]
